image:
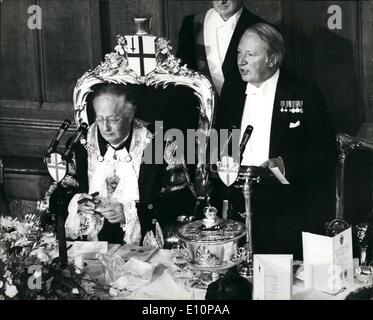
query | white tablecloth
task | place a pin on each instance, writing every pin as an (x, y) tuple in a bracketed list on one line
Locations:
[(164, 286)]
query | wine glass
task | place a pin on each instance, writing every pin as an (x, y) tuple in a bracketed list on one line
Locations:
[(179, 255), (365, 275), (364, 272)]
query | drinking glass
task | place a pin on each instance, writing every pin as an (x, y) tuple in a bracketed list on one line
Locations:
[(179, 256)]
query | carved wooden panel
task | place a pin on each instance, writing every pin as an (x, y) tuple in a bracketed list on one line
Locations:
[(19, 53), (69, 43), (25, 137), (40, 69)]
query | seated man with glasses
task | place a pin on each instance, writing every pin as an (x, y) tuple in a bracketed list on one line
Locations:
[(119, 188)]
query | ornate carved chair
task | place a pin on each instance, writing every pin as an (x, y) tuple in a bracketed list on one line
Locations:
[(362, 230), (346, 145), (168, 90)]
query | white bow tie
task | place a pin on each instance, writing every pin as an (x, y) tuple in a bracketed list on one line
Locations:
[(253, 90)]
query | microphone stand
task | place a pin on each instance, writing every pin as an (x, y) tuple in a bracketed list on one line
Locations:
[(247, 267), (56, 210), (226, 150), (56, 200)]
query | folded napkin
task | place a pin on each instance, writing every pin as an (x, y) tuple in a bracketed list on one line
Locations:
[(163, 287), (86, 250), (130, 275)]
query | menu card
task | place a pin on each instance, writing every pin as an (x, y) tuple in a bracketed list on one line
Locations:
[(328, 261), (273, 277)]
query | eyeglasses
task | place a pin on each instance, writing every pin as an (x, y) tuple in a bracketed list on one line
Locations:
[(112, 121)]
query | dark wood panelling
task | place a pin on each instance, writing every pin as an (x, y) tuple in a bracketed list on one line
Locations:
[(336, 67), (31, 110), (366, 56), (19, 208), (95, 32), (268, 10), (19, 54), (176, 11), (153, 8), (27, 187), (121, 15), (349, 18), (28, 138), (68, 46), (326, 57)]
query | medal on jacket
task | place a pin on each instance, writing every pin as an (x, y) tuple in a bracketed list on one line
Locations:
[(292, 106)]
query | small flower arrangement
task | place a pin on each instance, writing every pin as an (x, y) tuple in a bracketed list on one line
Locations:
[(30, 266)]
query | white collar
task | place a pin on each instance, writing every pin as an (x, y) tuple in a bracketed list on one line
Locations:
[(220, 22), (269, 83)]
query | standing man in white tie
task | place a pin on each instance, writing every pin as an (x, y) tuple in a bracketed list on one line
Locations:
[(291, 121), (208, 41)]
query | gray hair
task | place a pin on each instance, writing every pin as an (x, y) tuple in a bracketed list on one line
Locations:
[(272, 38)]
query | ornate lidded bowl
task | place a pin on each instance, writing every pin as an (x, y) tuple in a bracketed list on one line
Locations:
[(212, 243)]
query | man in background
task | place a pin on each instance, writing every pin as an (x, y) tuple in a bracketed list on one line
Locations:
[(208, 41)]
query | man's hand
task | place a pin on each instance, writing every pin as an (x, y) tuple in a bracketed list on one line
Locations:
[(113, 212), (86, 204)]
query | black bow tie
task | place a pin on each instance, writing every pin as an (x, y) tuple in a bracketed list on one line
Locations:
[(103, 144), (119, 147)]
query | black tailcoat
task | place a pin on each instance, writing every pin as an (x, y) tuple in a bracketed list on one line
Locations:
[(306, 142)]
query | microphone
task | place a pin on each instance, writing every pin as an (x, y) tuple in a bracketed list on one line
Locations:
[(78, 134), (245, 138), (54, 143)]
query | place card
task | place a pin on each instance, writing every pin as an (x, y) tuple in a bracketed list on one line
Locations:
[(273, 277), (328, 261)]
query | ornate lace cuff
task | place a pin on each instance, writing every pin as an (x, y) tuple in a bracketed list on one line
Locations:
[(80, 224), (72, 224)]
